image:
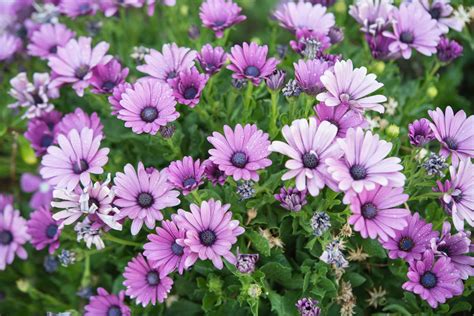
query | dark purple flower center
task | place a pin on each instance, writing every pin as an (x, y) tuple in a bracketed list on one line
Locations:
[(252, 71), (6, 237), (51, 230), (451, 143), (457, 197), (239, 159), (84, 8), (108, 85), (114, 310), (152, 278), (216, 173), (190, 93), (358, 172), (207, 237), (37, 99), (310, 160), (444, 248), (81, 71), (189, 182), (53, 49), (149, 114), (219, 23), (93, 201), (435, 12), (407, 37), (80, 167), (334, 122), (177, 249), (145, 199), (171, 75), (429, 280), (46, 141), (369, 210), (406, 244)]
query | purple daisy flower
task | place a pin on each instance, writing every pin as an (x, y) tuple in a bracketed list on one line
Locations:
[(240, 152), (459, 194), (308, 307), (363, 164), (341, 116), (42, 191), (45, 41), (442, 12), (276, 80), (309, 146), (105, 304), (107, 76), (374, 213), (434, 280), (76, 157), (210, 232), (213, 173), (143, 282), (212, 59), (44, 230), (167, 65), (250, 62), (147, 106), (246, 262), (141, 195), (13, 235), (78, 120), (188, 85), (5, 199), (74, 62), (304, 16), (308, 74), (10, 45), (75, 8), (111, 7), (292, 199), (40, 136), (374, 16), (219, 15), (164, 252), (420, 132), (346, 85), (116, 96), (413, 28), (457, 247), (410, 242), (310, 44), (454, 132), (186, 175), (448, 50)]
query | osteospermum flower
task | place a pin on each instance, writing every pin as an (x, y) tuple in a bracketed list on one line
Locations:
[(142, 194), (211, 58), (448, 50), (250, 62), (308, 74), (304, 16), (40, 136), (116, 96), (10, 45), (188, 85), (78, 120), (5, 199), (420, 133), (75, 8), (240, 152), (143, 282), (13, 235), (219, 15), (363, 164), (456, 247), (163, 250), (375, 213), (74, 62), (168, 64), (42, 191), (346, 85), (186, 175), (74, 159), (148, 105), (442, 12), (434, 280), (413, 28), (309, 146), (213, 173), (45, 41), (341, 116), (44, 230), (210, 232), (454, 132), (105, 304), (106, 77), (372, 15), (111, 7), (410, 242), (291, 199), (459, 194)]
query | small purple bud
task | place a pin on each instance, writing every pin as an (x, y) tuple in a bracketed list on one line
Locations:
[(420, 133), (276, 80), (448, 50)]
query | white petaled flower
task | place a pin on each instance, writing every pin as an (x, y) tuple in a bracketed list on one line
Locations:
[(91, 236), (346, 85)]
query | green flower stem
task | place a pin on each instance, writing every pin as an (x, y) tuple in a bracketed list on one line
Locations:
[(274, 113), (308, 105), (85, 281), (196, 196), (120, 241), (247, 101)]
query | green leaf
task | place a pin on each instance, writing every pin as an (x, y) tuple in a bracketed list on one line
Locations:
[(396, 308), (460, 307), (355, 278), (373, 248), (282, 305), (276, 272), (260, 243), (26, 152)]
